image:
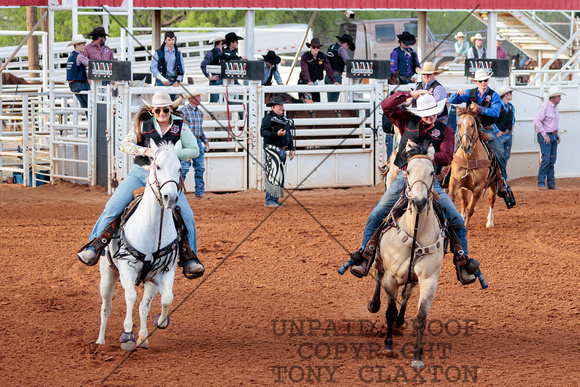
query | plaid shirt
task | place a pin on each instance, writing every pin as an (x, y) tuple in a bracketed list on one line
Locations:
[(95, 52), (193, 117)]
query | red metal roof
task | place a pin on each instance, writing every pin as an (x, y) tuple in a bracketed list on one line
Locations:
[(424, 5)]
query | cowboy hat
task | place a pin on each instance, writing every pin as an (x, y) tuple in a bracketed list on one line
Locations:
[(77, 39), (97, 31), (232, 37), (314, 41), (161, 99), (460, 34), (407, 38), (346, 38), (428, 68), (481, 75), (272, 57), (504, 90), (427, 106), (191, 92), (499, 37), (476, 37), (554, 91), (276, 100), (217, 38)]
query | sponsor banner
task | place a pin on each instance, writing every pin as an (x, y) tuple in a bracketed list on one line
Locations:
[(252, 70), (498, 68), (110, 70), (377, 69)]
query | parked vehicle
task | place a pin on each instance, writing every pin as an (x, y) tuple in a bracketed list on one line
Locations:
[(375, 39)]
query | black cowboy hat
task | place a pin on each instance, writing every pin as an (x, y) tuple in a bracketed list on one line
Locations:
[(232, 37), (407, 38), (97, 31), (314, 41), (276, 100), (272, 57), (346, 38)]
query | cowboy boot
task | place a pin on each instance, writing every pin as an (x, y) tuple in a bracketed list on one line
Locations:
[(192, 268), (89, 254)]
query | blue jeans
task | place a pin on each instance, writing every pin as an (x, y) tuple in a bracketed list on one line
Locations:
[(549, 153), (386, 203), (333, 97), (215, 97), (269, 198), (389, 144), (452, 118), (498, 150), (123, 195), (78, 87), (505, 141), (198, 166)]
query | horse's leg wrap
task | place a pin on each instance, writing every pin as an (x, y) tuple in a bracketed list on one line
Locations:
[(100, 242), (186, 254)]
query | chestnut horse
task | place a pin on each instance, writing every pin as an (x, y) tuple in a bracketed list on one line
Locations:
[(471, 168)]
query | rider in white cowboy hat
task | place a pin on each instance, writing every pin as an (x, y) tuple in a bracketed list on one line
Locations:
[(477, 51), (214, 58), (461, 46), (547, 125), (489, 106), (76, 69), (416, 125), (156, 121), (428, 73)]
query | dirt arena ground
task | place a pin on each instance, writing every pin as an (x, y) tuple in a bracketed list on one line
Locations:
[(275, 311)]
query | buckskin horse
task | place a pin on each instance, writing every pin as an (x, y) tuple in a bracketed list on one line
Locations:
[(471, 169), (146, 250), (411, 252)]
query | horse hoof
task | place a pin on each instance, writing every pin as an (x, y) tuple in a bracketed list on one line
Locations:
[(417, 364), (388, 353), (156, 322), (143, 344), (373, 307), (127, 341), (489, 225)]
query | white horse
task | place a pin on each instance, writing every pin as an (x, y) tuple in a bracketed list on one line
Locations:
[(393, 257), (149, 231)]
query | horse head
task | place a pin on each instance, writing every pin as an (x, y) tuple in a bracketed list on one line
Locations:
[(165, 173), (468, 127), (420, 175)]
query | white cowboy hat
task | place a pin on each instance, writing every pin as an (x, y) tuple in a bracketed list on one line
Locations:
[(427, 106), (428, 68), (77, 39), (192, 92), (218, 36), (162, 99), (481, 75), (460, 34), (476, 37), (504, 90), (499, 37), (554, 91)]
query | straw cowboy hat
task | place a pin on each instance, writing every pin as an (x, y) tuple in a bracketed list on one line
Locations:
[(460, 34), (96, 32), (161, 99), (554, 91), (499, 37), (218, 37), (276, 100), (476, 37), (272, 57), (315, 41), (77, 39), (191, 92), (427, 106), (346, 38), (481, 75), (407, 38), (428, 68), (504, 90)]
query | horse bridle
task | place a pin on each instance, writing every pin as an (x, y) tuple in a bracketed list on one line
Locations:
[(472, 140), (410, 186)]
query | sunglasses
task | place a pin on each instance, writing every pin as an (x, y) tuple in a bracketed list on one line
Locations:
[(165, 110), (485, 80), (316, 47)]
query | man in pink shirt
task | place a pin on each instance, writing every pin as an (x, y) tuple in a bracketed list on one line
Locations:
[(96, 50), (501, 54), (547, 126)]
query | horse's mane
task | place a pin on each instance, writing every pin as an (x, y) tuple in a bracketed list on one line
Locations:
[(472, 110), (415, 150)]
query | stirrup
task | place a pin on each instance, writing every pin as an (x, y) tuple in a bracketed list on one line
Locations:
[(98, 252)]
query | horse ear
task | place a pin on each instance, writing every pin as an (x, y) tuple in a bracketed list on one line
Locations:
[(431, 152), (153, 145), (178, 146)]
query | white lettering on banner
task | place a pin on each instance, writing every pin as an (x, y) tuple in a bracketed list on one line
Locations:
[(235, 69), (362, 68), (486, 65), (102, 69)]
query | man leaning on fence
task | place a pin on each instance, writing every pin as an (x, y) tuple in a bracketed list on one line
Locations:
[(214, 58), (76, 70), (167, 65)]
